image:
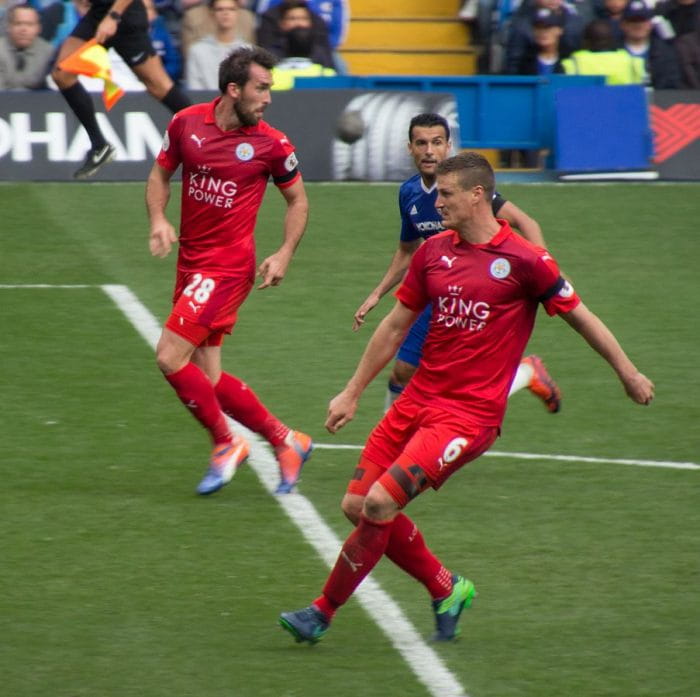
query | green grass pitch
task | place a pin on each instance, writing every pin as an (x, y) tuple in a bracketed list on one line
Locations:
[(117, 581)]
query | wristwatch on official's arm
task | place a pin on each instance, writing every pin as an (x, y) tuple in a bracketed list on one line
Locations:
[(116, 16)]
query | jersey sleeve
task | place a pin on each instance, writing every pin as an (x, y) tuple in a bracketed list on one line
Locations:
[(408, 229), (412, 291), (550, 288), (170, 155), (284, 166)]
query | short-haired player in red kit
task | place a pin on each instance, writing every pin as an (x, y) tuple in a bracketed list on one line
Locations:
[(227, 153), (484, 283)]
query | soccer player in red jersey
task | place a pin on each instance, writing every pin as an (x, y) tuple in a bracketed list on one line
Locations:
[(227, 153), (428, 144), (484, 284)]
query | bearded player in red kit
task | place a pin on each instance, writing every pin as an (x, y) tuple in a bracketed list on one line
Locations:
[(227, 153), (484, 284)]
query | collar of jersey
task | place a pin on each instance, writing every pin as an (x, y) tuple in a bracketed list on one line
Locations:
[(427, 190), (496, 240)]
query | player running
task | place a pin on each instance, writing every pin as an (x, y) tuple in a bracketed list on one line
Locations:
[(227, 153), (429, 144)]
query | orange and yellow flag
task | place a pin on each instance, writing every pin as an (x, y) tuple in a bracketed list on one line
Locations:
[(92, 60)]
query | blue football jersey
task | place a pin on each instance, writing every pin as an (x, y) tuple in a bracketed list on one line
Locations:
[(419, 217)]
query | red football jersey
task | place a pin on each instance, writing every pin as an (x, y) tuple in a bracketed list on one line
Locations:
[(224, 176), (484, 299)]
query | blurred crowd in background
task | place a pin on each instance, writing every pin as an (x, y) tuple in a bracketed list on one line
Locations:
[(628, 41)]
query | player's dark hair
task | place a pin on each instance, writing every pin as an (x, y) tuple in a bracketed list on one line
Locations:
[(472, 170), (428, 121), (236, 66)]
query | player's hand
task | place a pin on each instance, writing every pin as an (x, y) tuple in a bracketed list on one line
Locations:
[(272, 270), (361, 312), (106, 29), (162, 239), (341, 410), (639, 388)]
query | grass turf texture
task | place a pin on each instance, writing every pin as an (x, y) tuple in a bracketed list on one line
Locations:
[(117, 581)]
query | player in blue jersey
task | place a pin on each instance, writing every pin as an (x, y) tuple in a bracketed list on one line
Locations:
[(429, 144)]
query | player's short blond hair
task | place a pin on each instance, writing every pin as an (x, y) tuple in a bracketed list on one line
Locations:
[(472, 169)]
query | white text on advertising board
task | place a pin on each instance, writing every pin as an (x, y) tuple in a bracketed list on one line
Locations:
[(21, 140)]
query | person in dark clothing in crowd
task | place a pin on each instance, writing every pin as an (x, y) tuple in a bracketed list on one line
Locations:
[(660, 59)]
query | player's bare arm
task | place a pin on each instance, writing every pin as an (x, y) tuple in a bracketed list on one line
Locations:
[(107, 28), (273, 269), (380, 350), (162, 235), (638, 387), (528, 227), (394, 274)]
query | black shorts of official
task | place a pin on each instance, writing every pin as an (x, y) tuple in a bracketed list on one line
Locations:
[(132, 41)]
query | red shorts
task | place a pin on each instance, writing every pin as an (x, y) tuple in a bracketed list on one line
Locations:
[(205, 305), (414, 447)]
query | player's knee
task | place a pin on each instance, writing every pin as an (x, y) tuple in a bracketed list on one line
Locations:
[(351, 506), (167, 360), (62, 78), (378, 504)]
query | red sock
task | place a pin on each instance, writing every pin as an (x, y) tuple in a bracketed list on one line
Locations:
[(407, 549), (243, 405), (361, 551), (197, 394)]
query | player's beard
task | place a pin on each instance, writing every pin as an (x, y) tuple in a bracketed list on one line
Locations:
[(245, 116)]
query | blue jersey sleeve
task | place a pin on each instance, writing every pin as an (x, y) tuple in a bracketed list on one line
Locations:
[(408, 229)]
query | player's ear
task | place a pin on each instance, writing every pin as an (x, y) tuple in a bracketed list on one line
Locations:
[(233, 90)]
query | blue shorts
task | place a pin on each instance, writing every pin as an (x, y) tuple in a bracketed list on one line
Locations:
[(412, 348)]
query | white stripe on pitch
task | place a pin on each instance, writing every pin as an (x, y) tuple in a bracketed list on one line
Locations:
[(24, 286), (427, 666), (559, 458)]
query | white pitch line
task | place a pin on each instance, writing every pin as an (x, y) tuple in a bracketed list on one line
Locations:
[(25, 286), (558, 458), (425, 663)]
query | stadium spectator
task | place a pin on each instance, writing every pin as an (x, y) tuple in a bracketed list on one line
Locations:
[(163, 43), (205, 55), (59, 18), (612, 11), (600, 55), (452, 409), (198, 22), (543, 58), (298, 63), (227, 153), (521, 39), (662, 70), (25, 58), (688, 48), (170, 12), (428, 144), (122, 24), (335, 13), (5, 6), (290, 14), (682, 14)]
